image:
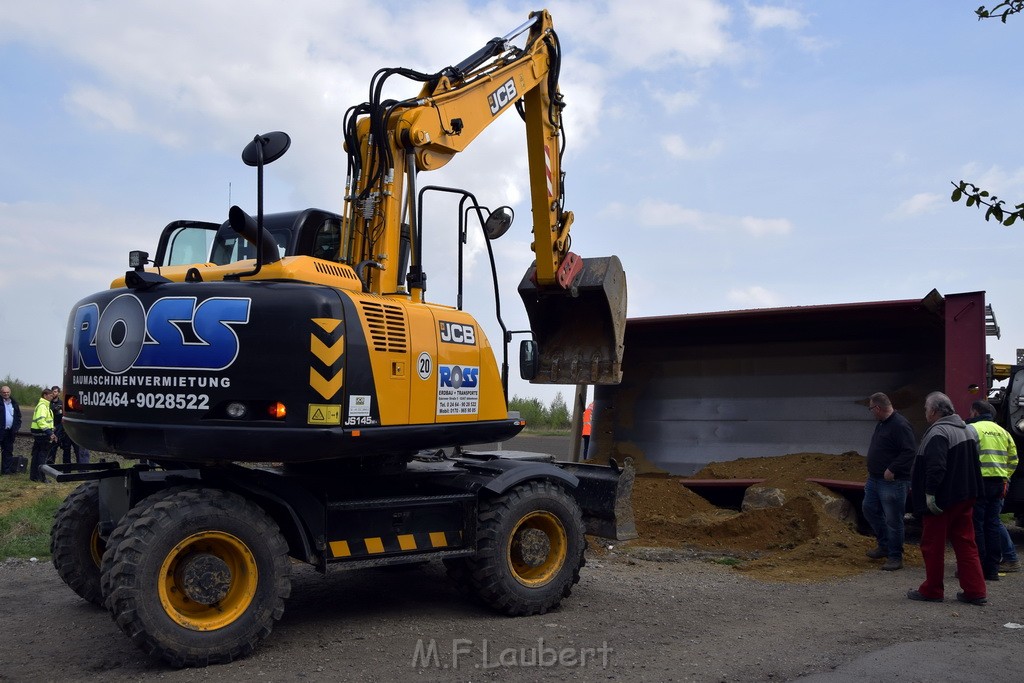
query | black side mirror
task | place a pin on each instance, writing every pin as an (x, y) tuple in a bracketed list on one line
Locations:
[(265, 149), (529, 359), (498, 223)]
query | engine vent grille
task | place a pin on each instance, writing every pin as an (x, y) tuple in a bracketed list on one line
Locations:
[(387, 327), (337, 271)]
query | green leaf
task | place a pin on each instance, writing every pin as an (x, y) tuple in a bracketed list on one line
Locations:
[(957, 195), (971, 200), (1011, 220)]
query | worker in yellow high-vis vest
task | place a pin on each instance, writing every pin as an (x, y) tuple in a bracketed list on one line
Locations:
[(998, 456), (42, 434)]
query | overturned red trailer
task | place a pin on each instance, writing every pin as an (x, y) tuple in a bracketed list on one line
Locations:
[(712, 387)]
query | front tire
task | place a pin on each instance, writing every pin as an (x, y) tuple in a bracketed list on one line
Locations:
[(75, 542), (200, 578), (530, 548)]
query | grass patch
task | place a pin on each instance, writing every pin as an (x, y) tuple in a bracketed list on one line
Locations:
[(727, 561), (25, 531), (544, 431), (26, 514)]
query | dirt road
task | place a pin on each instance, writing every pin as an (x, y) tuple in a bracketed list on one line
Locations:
[(668, 617), (638, 614)]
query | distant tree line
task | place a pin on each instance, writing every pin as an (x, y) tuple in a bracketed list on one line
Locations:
[(538, 416)]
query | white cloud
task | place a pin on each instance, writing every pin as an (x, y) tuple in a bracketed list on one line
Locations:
[(115, 111), (920, 203), (654, 34), (676, 101), (765, 17), (759, 227), (655, 213), (754, 296), (678, 148), (1006, 184)]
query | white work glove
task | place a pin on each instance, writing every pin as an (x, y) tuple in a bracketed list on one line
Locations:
[(929, 500)]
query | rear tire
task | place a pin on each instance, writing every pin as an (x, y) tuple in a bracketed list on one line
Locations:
[(200, 578), (530, 548), (119, 533), (75, 542)]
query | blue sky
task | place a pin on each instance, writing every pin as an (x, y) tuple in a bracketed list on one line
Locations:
[(733, 154)]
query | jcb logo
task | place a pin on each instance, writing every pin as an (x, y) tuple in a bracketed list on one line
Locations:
[(456, 333), (503, 96)]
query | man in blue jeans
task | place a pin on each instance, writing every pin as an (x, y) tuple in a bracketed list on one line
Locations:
[(890, 459)]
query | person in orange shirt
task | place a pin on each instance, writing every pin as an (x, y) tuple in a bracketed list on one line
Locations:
[(588, 419)]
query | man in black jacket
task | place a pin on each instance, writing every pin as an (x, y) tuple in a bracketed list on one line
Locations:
[(12, 423), (890, 458), (944, 484)]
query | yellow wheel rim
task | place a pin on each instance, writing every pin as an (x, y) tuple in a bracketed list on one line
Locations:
[(208, 581), (537, 549), (96, 546)]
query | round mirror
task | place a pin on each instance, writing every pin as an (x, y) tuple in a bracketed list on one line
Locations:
[(274, 146), (498, 223)]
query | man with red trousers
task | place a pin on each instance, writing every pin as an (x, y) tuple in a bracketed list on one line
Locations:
[(943, 486)]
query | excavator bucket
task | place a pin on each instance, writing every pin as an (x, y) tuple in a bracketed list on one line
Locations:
[(579, 330)]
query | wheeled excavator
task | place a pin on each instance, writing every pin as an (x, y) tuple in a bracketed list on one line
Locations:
[(284, 389)]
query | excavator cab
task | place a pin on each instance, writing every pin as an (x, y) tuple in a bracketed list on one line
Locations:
[(577, 331)]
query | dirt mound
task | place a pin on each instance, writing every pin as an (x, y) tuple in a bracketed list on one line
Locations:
[(797, 541)]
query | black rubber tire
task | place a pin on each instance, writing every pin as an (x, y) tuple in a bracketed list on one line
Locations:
[(119, 533), (458, 572), (75, 543), (499, 573), (149, 597)]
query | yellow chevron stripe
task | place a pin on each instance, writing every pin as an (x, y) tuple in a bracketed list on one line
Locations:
[(406, 542), (438, 540), (340, 549), (328, 324), (374, 545), (324, 386), (328, 354)]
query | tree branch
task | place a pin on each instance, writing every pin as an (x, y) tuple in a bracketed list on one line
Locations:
[(1009, 7), (978, 197)]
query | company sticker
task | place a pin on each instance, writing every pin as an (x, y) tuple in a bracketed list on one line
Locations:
[(458, 389), (359, 405)]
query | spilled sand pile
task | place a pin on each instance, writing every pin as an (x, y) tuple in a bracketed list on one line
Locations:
[(797, 541)]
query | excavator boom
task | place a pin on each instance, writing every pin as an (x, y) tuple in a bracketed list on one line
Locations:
[(576, 306)]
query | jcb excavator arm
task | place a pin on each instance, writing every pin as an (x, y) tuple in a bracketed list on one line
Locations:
[(576, 306)]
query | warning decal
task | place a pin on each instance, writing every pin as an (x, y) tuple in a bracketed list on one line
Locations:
[(321, 414)]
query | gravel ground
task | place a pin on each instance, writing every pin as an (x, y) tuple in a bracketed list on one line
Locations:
[(638, 614), (670, 616)]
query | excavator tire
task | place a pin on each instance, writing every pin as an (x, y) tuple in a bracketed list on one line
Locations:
[(458, 573), (200, 578), (75, 542), (530, 548), (119, 533)]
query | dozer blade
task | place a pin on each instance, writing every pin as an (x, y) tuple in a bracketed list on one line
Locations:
[(579, 330)]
